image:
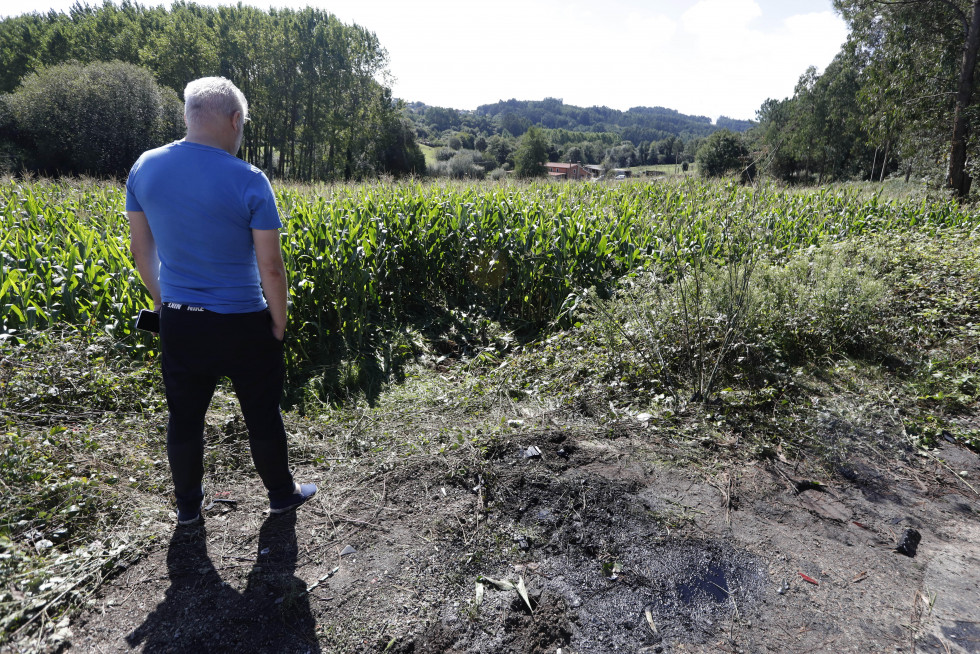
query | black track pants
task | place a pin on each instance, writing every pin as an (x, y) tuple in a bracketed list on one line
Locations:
[(199, 347)]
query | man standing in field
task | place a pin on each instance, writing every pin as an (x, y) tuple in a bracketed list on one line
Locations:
[(204, 232)]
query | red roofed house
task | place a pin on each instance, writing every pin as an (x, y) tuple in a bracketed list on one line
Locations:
[(567, 171)]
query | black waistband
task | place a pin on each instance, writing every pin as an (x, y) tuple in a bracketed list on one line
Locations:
[(183, 307), (176, 306)]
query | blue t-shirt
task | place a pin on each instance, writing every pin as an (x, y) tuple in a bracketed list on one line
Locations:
[(202, 205)]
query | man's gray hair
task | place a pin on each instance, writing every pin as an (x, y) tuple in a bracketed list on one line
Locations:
[(212, 96)]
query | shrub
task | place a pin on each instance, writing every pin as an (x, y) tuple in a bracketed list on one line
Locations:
[(93, 119), (701, 324), (823, 301), (466, 164), (438, 169)]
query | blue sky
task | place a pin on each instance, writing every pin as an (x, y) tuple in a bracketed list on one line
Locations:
[(703, 57)]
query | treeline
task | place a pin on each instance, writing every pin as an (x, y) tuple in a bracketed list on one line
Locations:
[(899, 99), (637, 124), (468, 142), (515, 117), (318, 111)]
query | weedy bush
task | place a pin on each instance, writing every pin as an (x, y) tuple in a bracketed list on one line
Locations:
[(467, 164), (824, 301), (741, 319), (686, 312)]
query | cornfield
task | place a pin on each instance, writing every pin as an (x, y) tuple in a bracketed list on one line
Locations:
[(368, 256)]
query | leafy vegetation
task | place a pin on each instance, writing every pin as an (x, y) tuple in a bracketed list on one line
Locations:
[(318, 109), (64, 259), (370, 264), (95, 119), (716, 315)]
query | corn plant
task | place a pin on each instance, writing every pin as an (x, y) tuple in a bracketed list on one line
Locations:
[(366, 259), (64, 258)]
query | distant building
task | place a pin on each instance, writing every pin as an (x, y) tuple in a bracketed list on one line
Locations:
[(568, 171)]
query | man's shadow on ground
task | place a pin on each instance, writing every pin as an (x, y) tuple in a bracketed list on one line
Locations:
[(201, 613)]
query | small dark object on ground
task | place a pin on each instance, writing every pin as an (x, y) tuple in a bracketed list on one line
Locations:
[(909, 543)]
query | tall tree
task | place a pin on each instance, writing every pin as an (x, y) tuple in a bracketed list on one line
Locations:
[(531, 155), (958, 179), (926, 50), (318, 90)]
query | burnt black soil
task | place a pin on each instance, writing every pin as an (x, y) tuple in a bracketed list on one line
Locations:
[(599, 560)]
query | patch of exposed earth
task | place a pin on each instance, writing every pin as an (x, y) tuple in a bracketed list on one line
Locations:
[(619, 550)]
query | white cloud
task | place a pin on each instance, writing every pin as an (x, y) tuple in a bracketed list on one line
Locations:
[(735, 64), (714, 18)]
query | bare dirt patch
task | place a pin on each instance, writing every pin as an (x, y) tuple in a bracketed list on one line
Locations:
[(619, 549)]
